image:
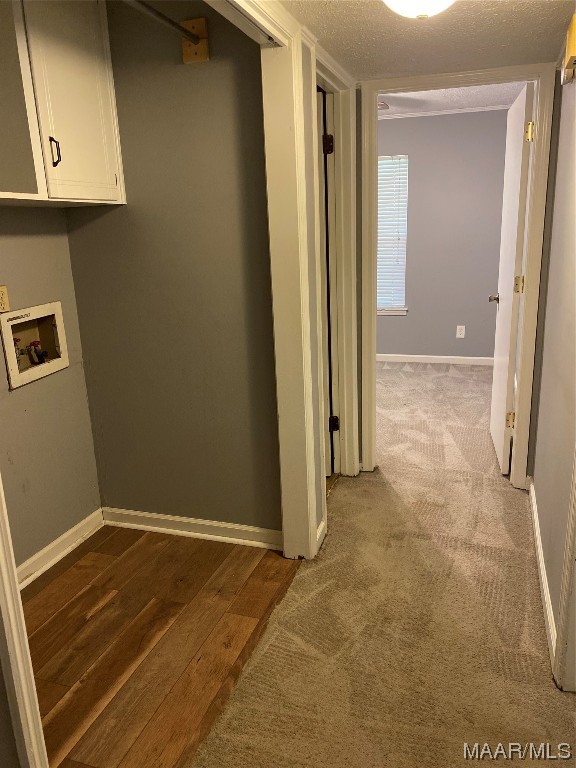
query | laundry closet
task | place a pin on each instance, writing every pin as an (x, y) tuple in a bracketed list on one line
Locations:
[(137, 202), (138, 387)]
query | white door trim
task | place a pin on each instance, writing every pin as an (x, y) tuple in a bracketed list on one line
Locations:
[(543, 76), (333, 275), (295, 323), (322, 240), (334, 80), (537, 188), (346, 269), (434, 359), (15, 656), (330, 75), (329, 277), (369, 135)]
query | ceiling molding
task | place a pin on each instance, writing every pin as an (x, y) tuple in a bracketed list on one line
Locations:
[(434, 82), (443, 112), (330, 73)]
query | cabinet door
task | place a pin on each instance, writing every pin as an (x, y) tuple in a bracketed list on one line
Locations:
[(69, 54)]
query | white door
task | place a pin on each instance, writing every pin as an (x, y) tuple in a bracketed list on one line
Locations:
[(516, 170), (68, 46), (327, 214), (326, 411)]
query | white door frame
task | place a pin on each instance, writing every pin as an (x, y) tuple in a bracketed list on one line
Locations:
[(543, 77), (337, 82), (328, 276), (346, 269)]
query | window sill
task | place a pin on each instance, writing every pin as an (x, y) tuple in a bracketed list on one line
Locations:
[(398, 311)]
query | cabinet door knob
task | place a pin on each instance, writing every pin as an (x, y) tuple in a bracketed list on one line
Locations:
[(494, 297), (55, 143)]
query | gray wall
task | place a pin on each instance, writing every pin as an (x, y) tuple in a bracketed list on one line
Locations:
[(455, 185), (556, 426), (46, 449), (174, 289)]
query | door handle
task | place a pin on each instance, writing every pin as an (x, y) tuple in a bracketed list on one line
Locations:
[(495, 297), (55, 143)]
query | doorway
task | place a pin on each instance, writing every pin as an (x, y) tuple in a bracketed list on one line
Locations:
[(517, 388)]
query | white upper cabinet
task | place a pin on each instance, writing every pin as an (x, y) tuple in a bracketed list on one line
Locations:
[(66, 79)]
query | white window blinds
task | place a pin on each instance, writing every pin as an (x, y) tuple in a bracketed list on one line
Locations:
[(392, 231)]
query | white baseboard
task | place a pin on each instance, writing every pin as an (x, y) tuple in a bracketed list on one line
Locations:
[(544, 589), (434, 359), (201, 529), (55, 551)]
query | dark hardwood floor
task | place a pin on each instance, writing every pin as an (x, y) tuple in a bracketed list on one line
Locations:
[(137, 640)]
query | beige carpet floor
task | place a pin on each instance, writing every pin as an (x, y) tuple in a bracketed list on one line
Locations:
[(419, 627)]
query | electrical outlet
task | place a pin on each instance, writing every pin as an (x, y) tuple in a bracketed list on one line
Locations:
[(4, 303), (460, 331)]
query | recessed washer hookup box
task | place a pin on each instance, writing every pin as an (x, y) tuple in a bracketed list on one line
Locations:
[(34, 343)]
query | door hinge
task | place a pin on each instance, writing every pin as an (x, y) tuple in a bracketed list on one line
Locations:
[(334, 424), (519, 284), (510, 419), (328, 144), (529, 132)]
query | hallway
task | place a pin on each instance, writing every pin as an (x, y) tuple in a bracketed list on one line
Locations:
[(419, 626)]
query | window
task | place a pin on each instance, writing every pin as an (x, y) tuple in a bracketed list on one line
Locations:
[(392, 234)]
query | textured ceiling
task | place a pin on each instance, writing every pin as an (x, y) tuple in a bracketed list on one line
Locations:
[(371, 41), (450, 100)]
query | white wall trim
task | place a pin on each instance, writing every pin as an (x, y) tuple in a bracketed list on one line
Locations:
[(515, 74), (534, 237), (346, 270), (56, 550), (399, 312), (214, 530), (291, 200), (543, 578), (369, 250), (452, 360), (15, 656), (443, 112), (331, 76), (543, 76)]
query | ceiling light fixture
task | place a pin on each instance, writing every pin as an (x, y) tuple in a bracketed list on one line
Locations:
[(418, 9)]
